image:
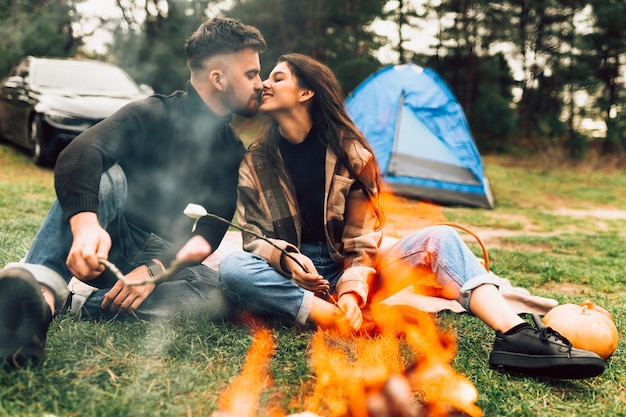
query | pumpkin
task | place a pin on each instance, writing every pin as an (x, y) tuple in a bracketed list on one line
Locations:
[(587, 326)]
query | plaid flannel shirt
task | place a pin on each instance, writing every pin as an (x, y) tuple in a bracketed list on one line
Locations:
[(267, 206)]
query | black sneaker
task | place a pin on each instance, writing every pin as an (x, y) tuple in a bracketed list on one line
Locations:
[(542, 351), (24, 319)]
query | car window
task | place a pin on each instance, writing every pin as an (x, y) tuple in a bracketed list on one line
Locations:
[(83, 77)]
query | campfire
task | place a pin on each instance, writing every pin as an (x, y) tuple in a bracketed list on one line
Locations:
[(401, 368)]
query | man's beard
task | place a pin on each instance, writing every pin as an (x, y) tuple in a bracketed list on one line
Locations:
[(247, 109)]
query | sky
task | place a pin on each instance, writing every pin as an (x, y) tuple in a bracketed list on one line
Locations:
[(98, 8)]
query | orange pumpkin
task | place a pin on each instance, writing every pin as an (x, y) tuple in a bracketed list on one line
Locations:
[(587, 326)]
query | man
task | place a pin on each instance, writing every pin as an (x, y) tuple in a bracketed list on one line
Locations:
[(122, 186)]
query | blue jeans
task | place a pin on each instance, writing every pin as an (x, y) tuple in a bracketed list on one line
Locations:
[(249, 281), (194, 290)]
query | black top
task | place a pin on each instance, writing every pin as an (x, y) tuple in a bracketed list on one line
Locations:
[(305, 164), (174, 150)]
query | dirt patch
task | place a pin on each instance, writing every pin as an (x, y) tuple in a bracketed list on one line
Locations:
[(496, 237), (493, 237), (568, 288), (404, 217), (603, 213)]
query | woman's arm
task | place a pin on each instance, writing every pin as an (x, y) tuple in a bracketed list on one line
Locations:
[(253, 214), (361, 235)]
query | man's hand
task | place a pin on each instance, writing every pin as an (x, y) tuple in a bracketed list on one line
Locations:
[(123, 298), (307, 278), (90, 242)]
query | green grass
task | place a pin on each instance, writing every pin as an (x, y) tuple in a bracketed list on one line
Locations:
[(180, 367)]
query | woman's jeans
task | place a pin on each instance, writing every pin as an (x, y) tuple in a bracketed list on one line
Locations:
[(256, 286), (194, 290)]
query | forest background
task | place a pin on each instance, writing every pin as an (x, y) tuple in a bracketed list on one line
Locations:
[(540, 78)]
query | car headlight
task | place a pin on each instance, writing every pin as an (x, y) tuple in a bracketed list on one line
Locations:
[(66, 121)]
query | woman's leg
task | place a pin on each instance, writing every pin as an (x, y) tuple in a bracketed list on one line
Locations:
[(251, 283), (487, 304), (440, 250), (518, 347)]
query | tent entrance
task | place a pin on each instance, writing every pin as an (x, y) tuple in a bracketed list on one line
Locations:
[(417, 152)]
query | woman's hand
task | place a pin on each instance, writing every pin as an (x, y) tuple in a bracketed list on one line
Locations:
[(352, 318), (307, 278)]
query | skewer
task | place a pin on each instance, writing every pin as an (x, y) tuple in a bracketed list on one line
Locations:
[(176, 266)]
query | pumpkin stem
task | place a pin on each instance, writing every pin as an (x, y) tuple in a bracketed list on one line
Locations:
[(586, 305)]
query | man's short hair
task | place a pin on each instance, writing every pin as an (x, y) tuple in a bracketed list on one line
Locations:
[(221, 35)]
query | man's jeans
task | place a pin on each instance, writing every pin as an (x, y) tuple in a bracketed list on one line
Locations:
[(253, 284), (193, 291)]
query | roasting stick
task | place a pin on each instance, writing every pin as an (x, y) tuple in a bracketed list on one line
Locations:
[(196, 211), (284, 252), (173, 269)]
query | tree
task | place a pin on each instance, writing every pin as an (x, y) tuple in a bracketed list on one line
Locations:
[(606, 52), (332, 31), (405, 15), (36, 27), (149, 40), (479, 78), (546, 35)]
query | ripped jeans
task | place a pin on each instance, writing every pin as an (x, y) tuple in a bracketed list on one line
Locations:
[(249, 281)]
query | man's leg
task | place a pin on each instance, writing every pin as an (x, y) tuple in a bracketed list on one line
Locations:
[(24, 319), (44, 269), (193, 292)]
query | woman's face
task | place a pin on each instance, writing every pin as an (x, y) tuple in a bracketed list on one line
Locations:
[(280, 91)]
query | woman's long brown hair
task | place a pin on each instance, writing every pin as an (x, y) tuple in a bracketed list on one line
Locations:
[(330, 119)]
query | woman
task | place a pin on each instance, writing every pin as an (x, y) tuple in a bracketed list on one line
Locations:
[(310, 184)]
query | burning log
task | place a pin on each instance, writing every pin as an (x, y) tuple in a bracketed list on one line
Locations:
[(396, 398)]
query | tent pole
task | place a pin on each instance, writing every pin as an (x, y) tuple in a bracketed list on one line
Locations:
[(393, 166)]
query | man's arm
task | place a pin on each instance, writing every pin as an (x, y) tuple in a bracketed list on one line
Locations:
[(194, 251)]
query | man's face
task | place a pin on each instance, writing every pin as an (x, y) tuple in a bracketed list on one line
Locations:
[(243, 88)]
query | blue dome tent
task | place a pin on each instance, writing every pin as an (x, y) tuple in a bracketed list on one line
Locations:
[(420, 136)]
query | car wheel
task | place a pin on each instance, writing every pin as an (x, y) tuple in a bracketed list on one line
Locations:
[(39, 153)]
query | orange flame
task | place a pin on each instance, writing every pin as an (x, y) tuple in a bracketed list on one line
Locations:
[(242, 395), (409, 358), (405, 215), (432, 375), (343, 365)]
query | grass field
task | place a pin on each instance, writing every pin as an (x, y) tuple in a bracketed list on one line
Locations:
[(560, 233)]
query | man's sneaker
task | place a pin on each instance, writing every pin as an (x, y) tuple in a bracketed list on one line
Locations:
[(79, 293), (24, 318), (542, 351)]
